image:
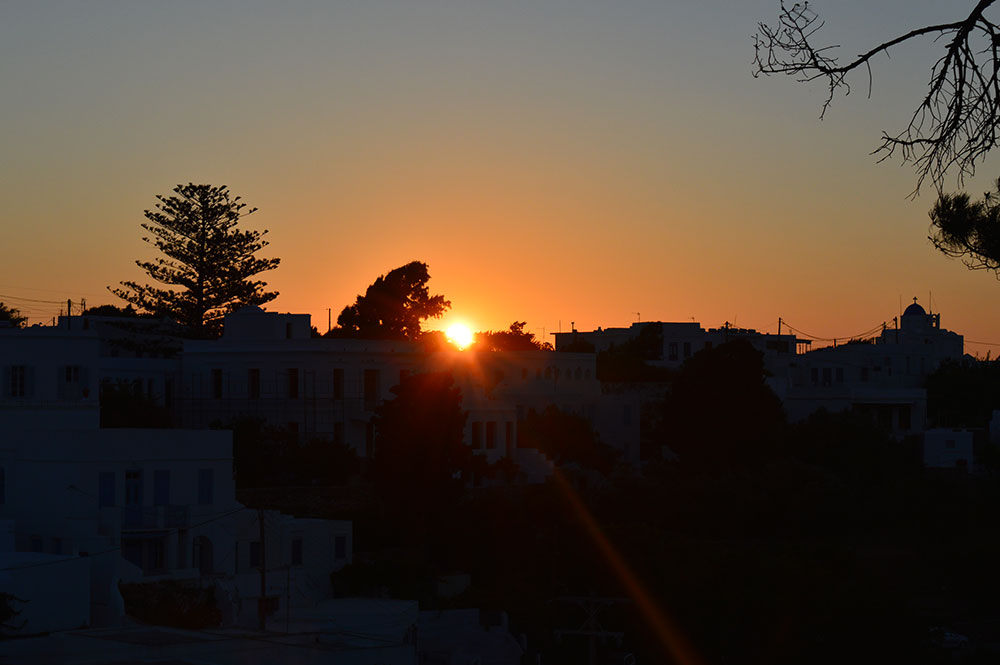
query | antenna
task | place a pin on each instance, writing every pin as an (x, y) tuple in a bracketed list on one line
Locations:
[(638, 319)]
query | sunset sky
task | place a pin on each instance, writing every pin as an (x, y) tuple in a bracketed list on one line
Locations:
[(552, 162)]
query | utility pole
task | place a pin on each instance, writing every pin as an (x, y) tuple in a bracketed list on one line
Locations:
[(262, 602), (329, 319)]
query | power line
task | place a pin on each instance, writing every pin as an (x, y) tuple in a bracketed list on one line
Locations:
[(48, 302), (862, 335)]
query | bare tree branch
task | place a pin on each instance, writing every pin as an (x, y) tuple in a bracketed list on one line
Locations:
[(953, 127)]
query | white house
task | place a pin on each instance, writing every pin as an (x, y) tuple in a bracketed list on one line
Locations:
[(132, 504), (884, 376), (948, 448), (267, 365)]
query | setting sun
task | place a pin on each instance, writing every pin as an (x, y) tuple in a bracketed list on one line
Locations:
[(460, 335)]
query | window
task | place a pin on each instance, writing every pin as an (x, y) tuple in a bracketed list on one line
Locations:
[(161, 487), (216, 384), (293, 383), (687, 350), (288, 331), (253, 383), (296, 551), (371, 389), (369, 439), (627, 414), (206, 488), (814, 376), (255, 554), (827, 376), (477, 435), (840, 374), (524, 373), (133, 487), (17, 385), (538, 373), (340, 547), (578, 374), (864, 374), (105, 489), (508, 434), (491, 435), (72, 373), (904, 418), (132, 515), (672, 351), (156, 555), (338, 383)]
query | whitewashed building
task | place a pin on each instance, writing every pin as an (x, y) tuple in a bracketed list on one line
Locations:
[(884, 376), (131, 504)]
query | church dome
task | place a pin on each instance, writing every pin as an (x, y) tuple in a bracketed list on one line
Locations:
[(914, 310)]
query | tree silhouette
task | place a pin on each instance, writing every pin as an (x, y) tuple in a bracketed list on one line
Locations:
[(392, 307), (210, 261), (720, 411), (12, 316), (565, 438), (421, 462), (954, 126), (513, 339), (127, 311), (968, 230)]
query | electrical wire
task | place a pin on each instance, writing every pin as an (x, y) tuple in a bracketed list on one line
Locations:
[(863, 335)]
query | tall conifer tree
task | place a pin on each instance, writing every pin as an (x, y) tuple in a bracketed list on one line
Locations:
[(209, 261)]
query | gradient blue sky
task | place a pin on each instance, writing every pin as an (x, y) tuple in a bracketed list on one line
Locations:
[(551, 161)]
